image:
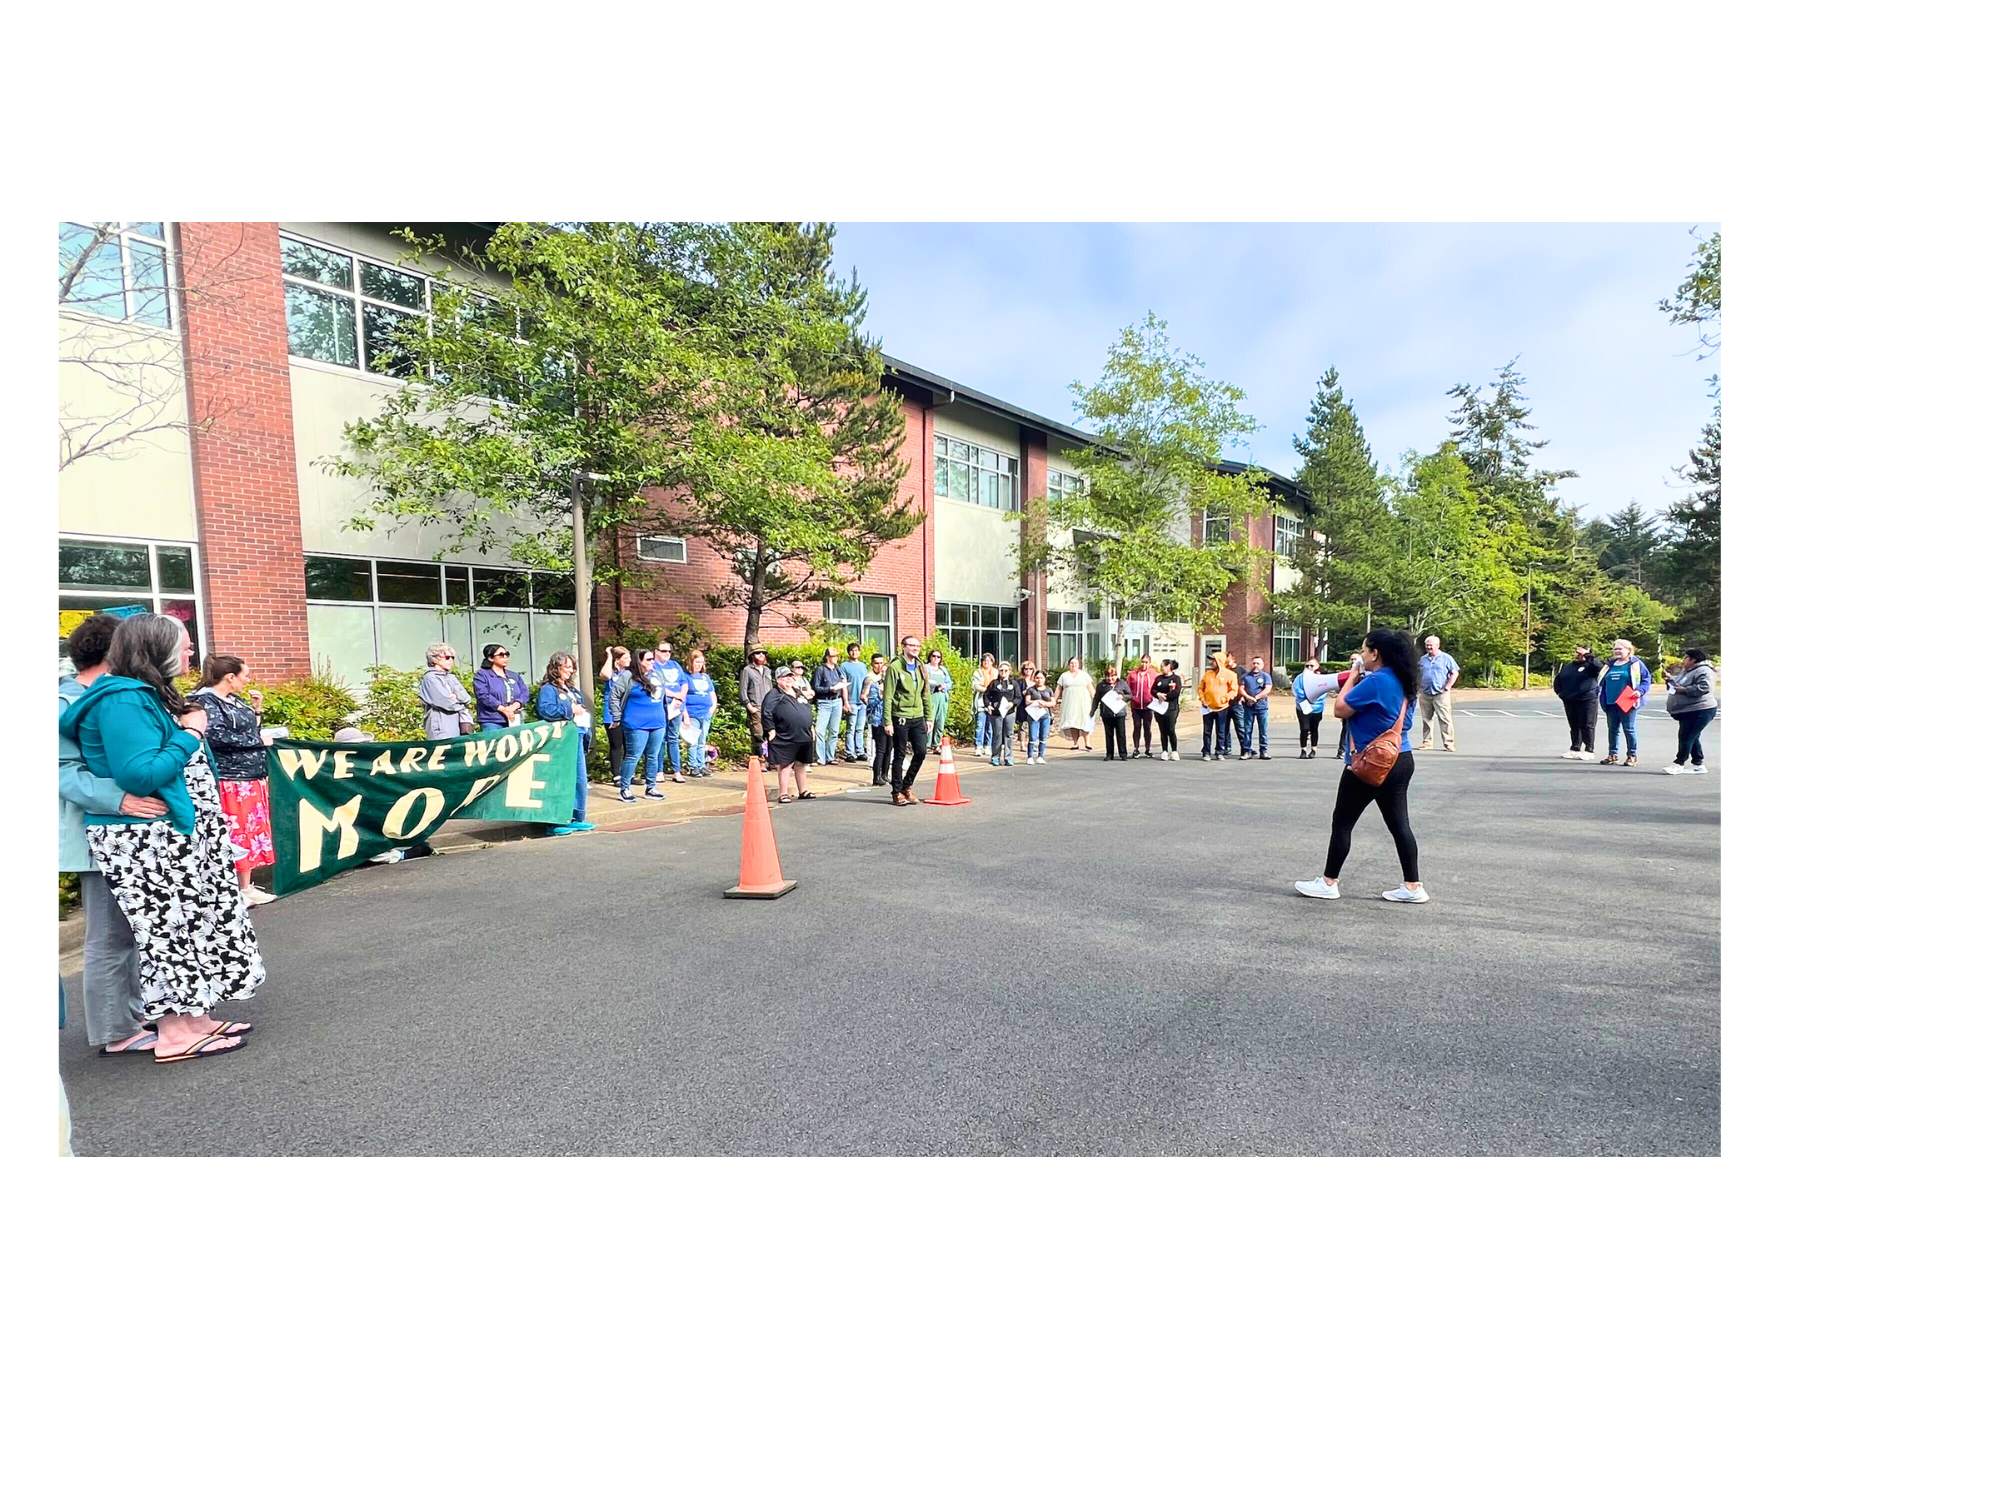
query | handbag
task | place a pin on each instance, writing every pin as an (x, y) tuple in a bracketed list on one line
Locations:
[(1376, 757)]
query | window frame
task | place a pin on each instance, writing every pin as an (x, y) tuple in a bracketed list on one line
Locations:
[(1222, 523), (164, 243), (678, 561), (967, 639), (358, 300), (979, 463), (448, 604), (1054, 488), (1292, 662), (860, 627), (1298, 530), (154, 595)]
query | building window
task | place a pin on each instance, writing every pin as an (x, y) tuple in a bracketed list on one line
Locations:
[(1066, 638), (1288, 646), (117, 269), (869, 618), (1288, 532), (1066, 485), (975, 474), (976, 628), (348, 310), (661, 548), (1217, 527), (93, 576), (365, 612)]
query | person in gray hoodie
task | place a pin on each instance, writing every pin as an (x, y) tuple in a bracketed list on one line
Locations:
[(1691, 700), (113, 1019)]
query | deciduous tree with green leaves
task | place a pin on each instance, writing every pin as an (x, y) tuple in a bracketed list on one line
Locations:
[(794, 474), (1162, 529), (1692, 569), (1452, 568)]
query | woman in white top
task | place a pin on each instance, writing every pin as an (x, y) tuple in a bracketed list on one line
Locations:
[(1074, 705)]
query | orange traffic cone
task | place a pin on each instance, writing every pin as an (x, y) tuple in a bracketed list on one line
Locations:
[(762, 876), (946, 794)]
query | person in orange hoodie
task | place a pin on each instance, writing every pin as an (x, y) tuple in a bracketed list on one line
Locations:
[(1216, 690)]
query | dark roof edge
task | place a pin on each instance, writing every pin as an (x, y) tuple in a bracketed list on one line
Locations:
[(951, 390)]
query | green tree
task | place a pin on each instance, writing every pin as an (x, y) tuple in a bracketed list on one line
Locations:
[(794, 476), (1629, 545), (1453, 569), (566, 364), (1341, 562), (1162, 530), (1692, 570), (1698, 300)]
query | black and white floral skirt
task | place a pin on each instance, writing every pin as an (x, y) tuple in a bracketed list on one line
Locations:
[(180, 894)]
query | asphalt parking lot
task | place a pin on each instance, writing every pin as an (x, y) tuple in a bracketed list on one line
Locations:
[(1090, 959)]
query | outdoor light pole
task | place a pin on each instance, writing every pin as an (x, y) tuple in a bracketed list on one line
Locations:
[(584, 585), (1526, 676)]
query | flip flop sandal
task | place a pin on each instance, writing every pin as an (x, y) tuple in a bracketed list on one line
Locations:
[(201, 1050), (145, 1039)]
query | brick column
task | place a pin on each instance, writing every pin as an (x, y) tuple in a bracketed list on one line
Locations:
[(248, 501), (1035, 494)]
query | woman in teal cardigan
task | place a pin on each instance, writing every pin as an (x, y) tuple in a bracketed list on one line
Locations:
[(171, 877)]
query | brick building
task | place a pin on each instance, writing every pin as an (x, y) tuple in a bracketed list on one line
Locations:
[(214, 504)]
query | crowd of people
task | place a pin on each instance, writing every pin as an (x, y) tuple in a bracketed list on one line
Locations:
[(164, 811)]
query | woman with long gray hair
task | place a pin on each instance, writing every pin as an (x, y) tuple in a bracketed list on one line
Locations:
[(442, 695), (171, 877)]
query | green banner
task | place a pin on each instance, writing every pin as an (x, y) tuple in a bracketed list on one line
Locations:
[(337, 805)]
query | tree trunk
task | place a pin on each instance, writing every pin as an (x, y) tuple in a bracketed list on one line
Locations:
[(752, 625)]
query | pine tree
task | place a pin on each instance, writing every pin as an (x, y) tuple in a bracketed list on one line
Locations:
[(1342, 562), (1693, 563), (1630, 545)]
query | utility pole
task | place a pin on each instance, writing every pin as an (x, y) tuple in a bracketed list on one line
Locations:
[(1526, 676), (584, 581)]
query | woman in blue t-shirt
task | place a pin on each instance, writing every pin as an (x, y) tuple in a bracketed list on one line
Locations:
[(1624, 675), (1380, 691), (643, 728), (701, 702)]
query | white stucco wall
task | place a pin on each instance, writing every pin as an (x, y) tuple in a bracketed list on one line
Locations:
[(144, 485)]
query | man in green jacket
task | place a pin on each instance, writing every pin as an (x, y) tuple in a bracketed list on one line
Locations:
[(905, 716)]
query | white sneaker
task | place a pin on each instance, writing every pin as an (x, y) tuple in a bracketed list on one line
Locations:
[(1588, 755), (1677, 771), (1042, 761), (1698, 771), (1175, 755), (254, 896), (1406, 895), (1571, 755), (1316, 887)]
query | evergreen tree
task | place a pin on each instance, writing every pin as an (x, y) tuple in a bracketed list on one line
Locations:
[(1629, 545), (1692, 573), (1341, 563)]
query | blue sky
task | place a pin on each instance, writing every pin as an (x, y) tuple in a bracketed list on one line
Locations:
[(1402, 311)]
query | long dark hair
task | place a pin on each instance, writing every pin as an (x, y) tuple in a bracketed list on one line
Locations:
[(145, 647), (1397, 655), (641, 677)]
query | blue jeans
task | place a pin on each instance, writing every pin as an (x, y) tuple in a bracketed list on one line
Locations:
[(1617, 719), (983, 727), (1220, 721), (581, 778), (695, 753), (826, 728), (1692, 723), (1252, 718), (1039, 736), (857, 731), (650, 744)]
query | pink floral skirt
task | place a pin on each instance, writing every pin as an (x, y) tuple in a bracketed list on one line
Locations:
[(245, 811)]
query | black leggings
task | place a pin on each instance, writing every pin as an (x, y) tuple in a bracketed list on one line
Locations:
[(1692, 723), (1309, 727), (1168, 723), (1144, 729), (1116, 734), (1581, 714), (1354, 796)]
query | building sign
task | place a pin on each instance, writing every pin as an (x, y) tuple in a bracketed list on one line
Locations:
[(335, 806)]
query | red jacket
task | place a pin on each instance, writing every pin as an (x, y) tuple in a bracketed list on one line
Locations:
[(1141, 686)]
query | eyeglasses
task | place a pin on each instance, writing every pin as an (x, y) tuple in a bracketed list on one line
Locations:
[(664, 650)]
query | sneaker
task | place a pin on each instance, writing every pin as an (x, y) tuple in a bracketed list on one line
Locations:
[(1008, 761), (1175, 755), (1630, 761), (626, 796), (1316, 887), (1041, 761), (1571, 755), (254, 896), (1405, 895), (1699, 771), (676, 778), (1588, 756), (1245, 755), (1676, 770), (654, 793), (993, 761), (1265, 757), (1608, 761)]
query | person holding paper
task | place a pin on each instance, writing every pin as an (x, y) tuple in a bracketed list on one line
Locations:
[(1168, 697), (1308, 711), (1623, 686), (1004, 707), (1140, 693), (701, 701), (983, 675), (1040, 702), (500, 692), (1110, 699)]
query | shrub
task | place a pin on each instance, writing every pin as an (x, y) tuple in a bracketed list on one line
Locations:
[(391, 705), (312, 708)]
